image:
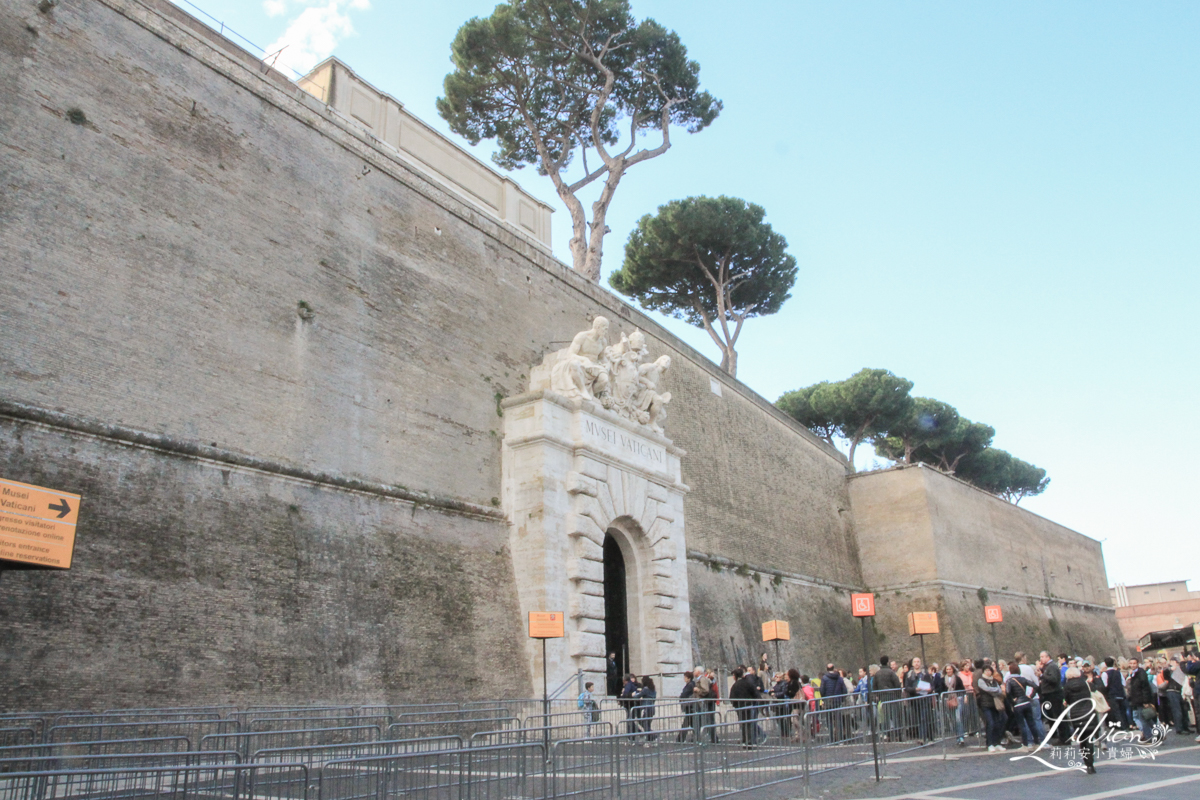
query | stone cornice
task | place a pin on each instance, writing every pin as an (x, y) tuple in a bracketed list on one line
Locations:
[(225, 458), (1041, 598)]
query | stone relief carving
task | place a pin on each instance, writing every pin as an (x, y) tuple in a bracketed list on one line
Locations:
[(616, 376)]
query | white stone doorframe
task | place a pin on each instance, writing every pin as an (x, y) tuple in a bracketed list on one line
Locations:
[(573, 472)]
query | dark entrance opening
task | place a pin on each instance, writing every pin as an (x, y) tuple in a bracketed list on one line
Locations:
[(616, 611)]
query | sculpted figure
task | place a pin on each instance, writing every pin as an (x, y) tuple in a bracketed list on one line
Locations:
[(622, 360), (579, 371), (650, 406)]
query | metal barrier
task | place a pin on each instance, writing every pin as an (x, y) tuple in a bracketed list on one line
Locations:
[(394, 711), (162, 744), (494, 712), (444, 751), (300, 723), (119, 717), (194, 730), (236, 782), (317, 756), (16, 737), (330, 712), (221, 711), (626, 766), (20, 721), (477, 774), (465, 728), (247, 742), (115, 761), (544, 734)]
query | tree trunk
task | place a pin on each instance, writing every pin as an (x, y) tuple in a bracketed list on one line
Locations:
[(729, 361), (853, 446)]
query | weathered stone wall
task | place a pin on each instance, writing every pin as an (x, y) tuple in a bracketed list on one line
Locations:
[(729, 605), (199, 581), (167, 206), (931, 542)]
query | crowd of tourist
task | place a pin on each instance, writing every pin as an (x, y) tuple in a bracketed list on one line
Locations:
[(1022, 703)]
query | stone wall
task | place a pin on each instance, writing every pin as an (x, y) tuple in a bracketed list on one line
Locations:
[(199, 581), (931, 542), (200, 251)]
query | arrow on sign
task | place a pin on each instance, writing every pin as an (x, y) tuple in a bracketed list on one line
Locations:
[(61, 507)]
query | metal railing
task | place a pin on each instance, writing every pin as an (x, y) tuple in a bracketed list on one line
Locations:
[(219, 782), (673, 750), (246, 743)]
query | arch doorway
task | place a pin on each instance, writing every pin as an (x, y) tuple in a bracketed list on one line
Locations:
[(616, 609)]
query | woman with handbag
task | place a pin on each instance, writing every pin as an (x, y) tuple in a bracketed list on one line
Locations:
[(1081, 711), (991, 700), (952, 700)]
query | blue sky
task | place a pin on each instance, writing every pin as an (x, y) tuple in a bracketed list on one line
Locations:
[(1000, 202)]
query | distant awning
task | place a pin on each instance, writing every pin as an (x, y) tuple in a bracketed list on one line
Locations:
[(1169, 640)]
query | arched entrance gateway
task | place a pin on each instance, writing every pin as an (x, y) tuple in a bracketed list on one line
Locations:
[(592, 488)]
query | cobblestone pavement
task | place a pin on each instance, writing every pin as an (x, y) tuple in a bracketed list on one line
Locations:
[(973, 774)]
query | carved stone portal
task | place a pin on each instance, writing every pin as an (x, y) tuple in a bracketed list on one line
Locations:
[(584, 458)]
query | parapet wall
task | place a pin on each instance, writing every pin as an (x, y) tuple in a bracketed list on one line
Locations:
[(931, 542), (202, 252)]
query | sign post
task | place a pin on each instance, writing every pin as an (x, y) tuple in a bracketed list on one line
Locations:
[(992, 615), (775, 631), (545, 625), (37, 525), (863, 606), (921, 623)]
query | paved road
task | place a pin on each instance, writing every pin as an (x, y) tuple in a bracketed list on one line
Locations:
[(972, 774)]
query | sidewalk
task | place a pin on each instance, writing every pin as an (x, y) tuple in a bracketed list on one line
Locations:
[(973, 774)]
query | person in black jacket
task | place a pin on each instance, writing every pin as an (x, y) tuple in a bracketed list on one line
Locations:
[(612, 675), (886, 686), (1137, 690), (1114, 691), (688, 707), (833, 696), (1082, 713), (1190, 665), (1051, 690), (629, 702), (744, 698)]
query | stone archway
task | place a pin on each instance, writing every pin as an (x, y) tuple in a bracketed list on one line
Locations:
[(574, 473)]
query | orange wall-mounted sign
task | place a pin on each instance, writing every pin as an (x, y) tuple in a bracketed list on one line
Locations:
[(862, 604), (546, 625), (37, 525), (776, 629), (993, 614), (922, 622)]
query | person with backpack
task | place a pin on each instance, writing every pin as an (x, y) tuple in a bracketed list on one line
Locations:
[(587, 704), (1020, 691)]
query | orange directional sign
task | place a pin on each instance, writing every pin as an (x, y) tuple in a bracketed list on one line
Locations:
[(776, 629), (37, 525), (993, 614), (546, 625), (863, 604), (921, 622)]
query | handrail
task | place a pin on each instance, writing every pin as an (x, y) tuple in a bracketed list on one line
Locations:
[(577, 677)]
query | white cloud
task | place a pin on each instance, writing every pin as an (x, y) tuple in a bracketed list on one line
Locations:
[(315, 31)]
